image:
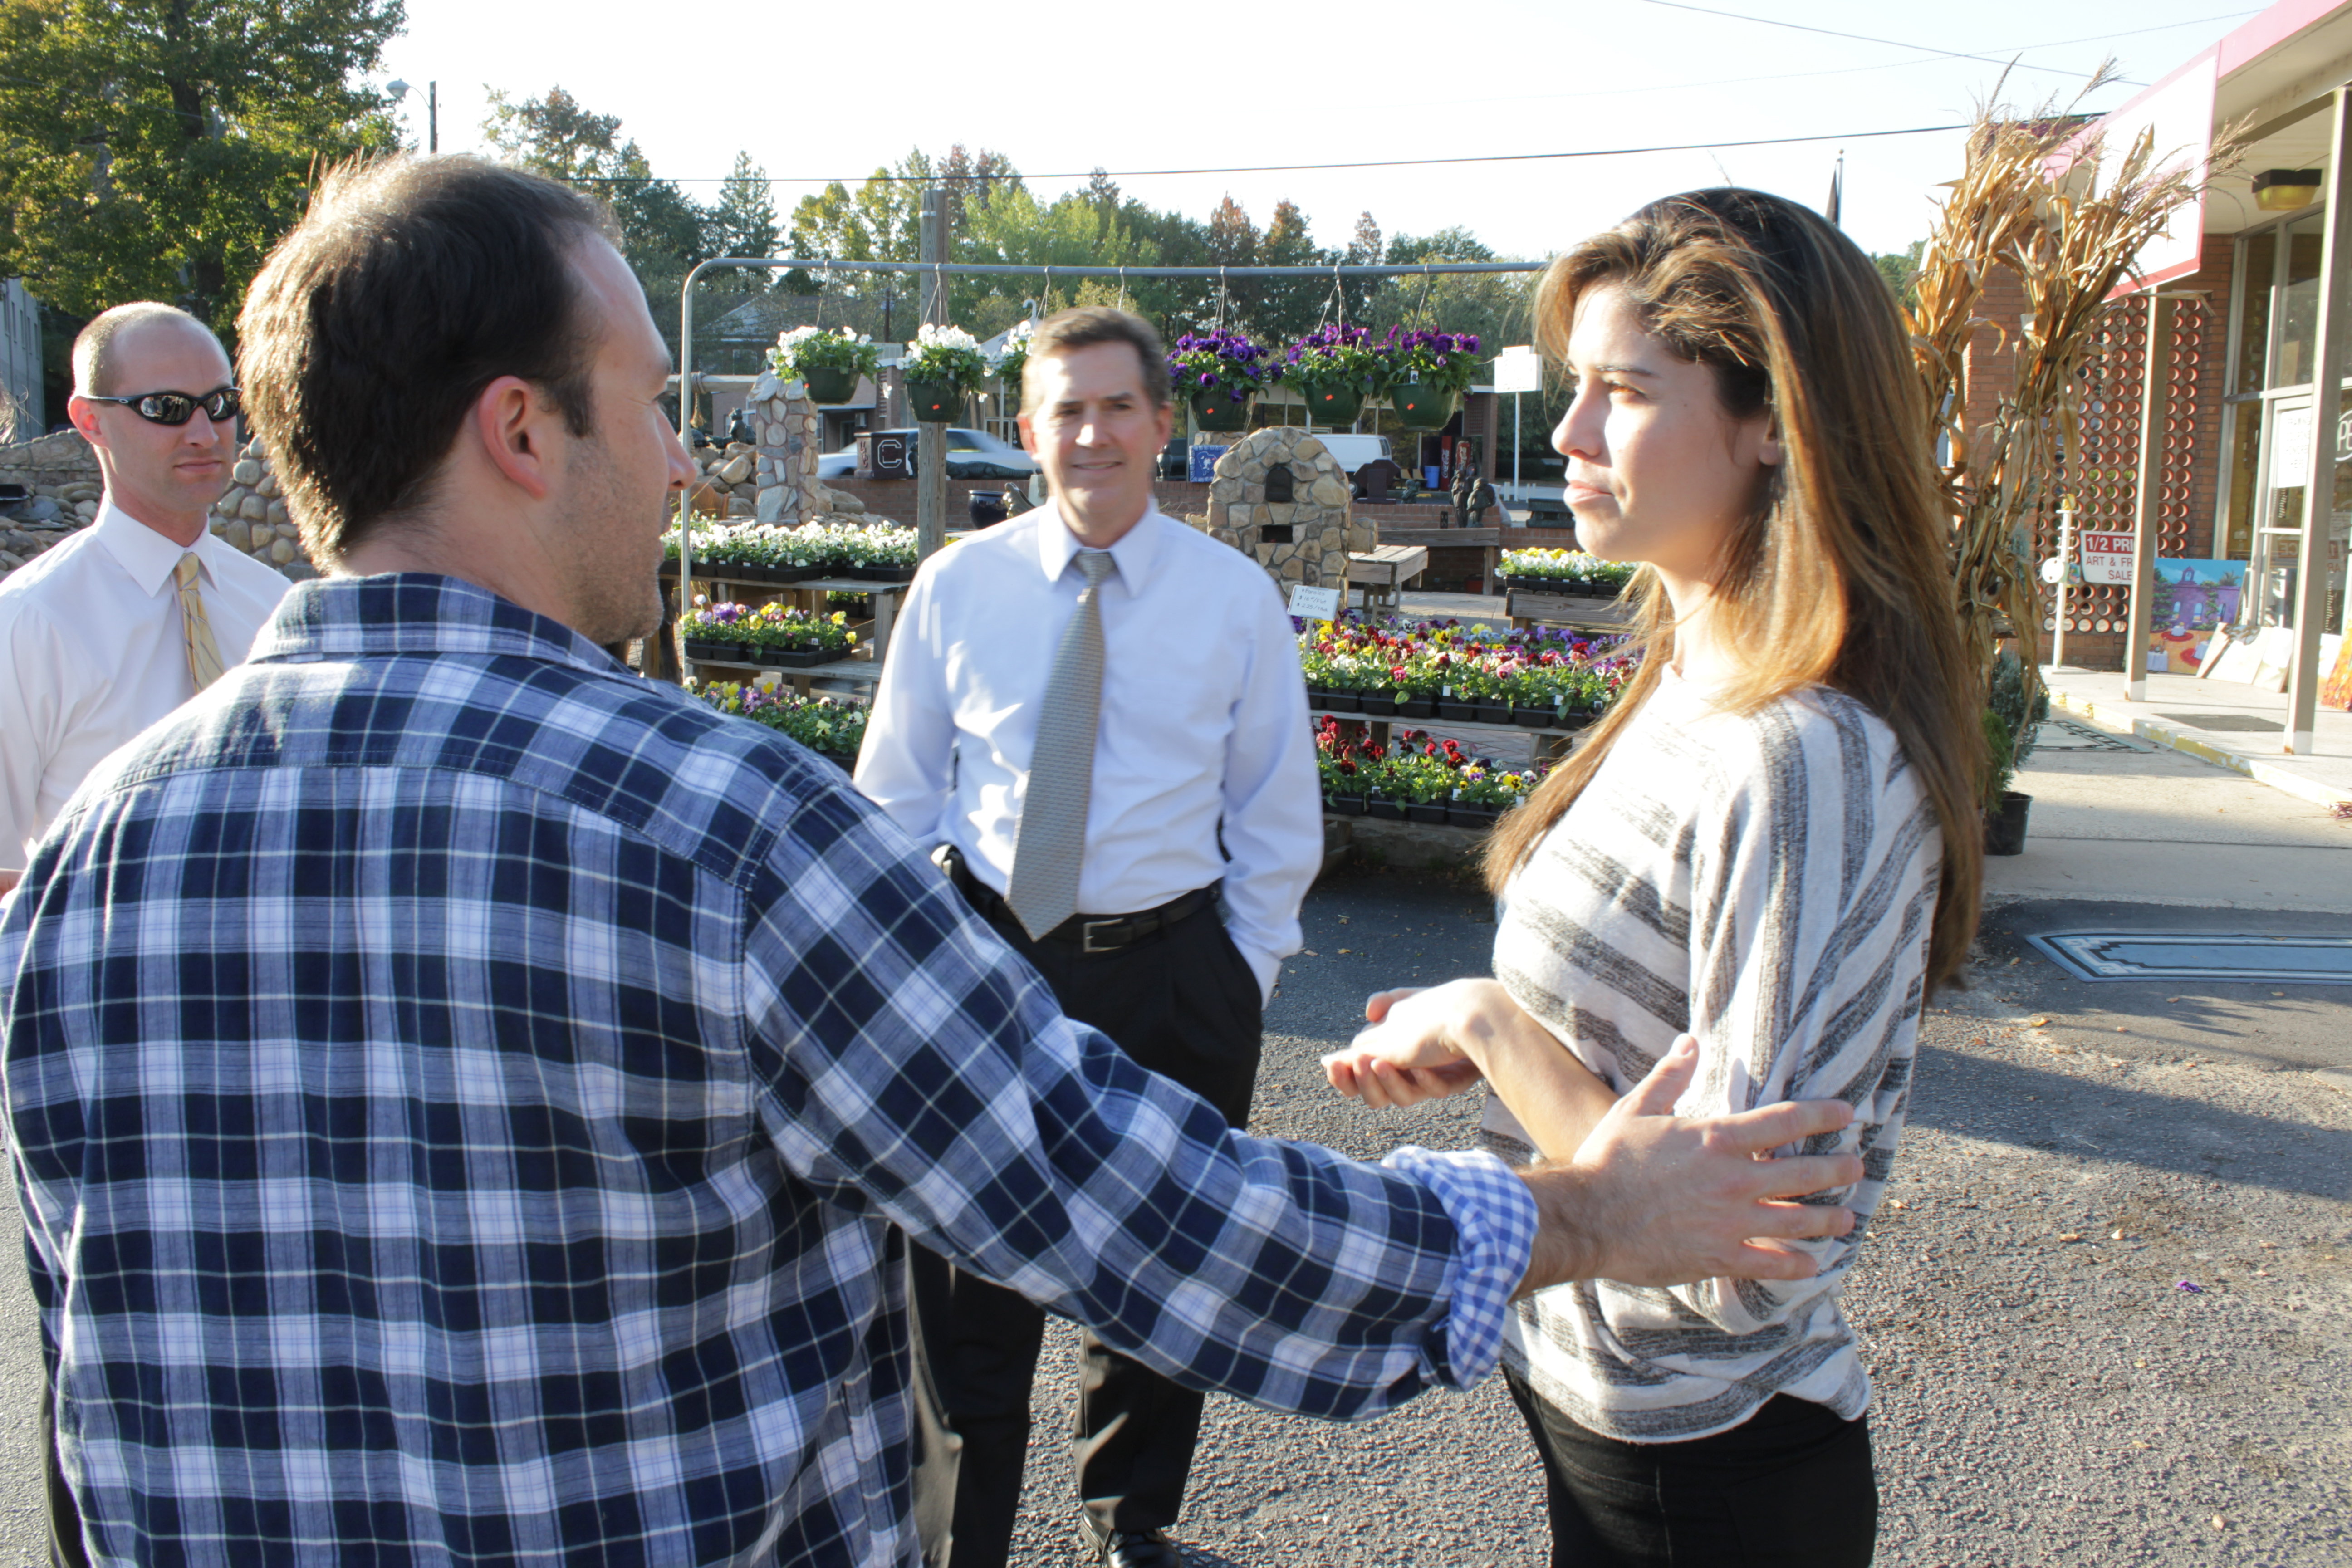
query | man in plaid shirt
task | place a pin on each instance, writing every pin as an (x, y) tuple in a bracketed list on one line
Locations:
[(462, 1093)]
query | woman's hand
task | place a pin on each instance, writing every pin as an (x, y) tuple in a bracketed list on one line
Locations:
[(1411, 1048)]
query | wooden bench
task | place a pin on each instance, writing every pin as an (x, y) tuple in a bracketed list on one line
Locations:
[(1385, 572)]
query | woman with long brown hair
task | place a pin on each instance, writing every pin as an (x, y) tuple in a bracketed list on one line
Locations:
[(1767, 856)]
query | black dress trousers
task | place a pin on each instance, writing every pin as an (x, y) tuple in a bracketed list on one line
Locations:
[(1184, 1004)]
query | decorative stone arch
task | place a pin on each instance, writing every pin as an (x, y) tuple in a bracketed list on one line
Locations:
[(1305, 540)]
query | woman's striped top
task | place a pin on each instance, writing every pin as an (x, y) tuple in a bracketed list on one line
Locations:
[(1765, 882)]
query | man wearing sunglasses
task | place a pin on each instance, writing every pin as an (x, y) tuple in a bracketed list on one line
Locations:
[(114, 628)]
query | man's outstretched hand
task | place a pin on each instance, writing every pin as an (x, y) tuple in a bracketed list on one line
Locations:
[(1653, 1199)]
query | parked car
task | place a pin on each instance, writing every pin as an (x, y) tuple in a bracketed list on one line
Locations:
[(971, 455)]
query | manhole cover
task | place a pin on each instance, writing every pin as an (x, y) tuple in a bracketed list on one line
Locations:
[(2219, 721), (2200, 955), (2074, 735)]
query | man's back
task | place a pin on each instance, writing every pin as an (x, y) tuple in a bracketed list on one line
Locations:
[(459, 1088)]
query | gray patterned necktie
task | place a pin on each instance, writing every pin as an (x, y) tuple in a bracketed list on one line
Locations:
[(1052, 843)]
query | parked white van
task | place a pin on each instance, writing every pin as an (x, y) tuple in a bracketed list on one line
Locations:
[(1352, 452)]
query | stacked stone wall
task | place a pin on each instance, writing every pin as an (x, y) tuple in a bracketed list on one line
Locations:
[(61, 473)]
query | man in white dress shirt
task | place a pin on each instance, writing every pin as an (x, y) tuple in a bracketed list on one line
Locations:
[(1097, 713), (107, 633)]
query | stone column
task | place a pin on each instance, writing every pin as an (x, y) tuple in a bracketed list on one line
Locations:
[(789, 431)]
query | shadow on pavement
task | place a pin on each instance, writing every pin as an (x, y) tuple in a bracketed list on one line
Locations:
[(2008, 1102)]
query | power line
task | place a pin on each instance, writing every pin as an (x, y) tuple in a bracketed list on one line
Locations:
[(1994, 60), (1289, 168)]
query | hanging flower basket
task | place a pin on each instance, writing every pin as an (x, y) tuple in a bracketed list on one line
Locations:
[(933, 402), (1421, 407), (829, 384), (1218, 412), (1334, 406)]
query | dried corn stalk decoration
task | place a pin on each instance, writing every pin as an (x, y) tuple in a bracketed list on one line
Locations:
[(2018, 205)]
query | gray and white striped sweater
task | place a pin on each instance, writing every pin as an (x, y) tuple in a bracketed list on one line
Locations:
[(1765, 882)]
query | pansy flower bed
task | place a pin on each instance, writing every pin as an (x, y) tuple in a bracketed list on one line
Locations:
[(829, 727), (727, 633), (766, 553), (1570, 572), (1416, 778), (1544, 678)]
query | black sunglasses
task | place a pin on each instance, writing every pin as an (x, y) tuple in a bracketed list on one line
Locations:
[(178, 407)]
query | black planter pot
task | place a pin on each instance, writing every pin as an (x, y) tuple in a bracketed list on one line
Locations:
[(1532, 718), (2005, 829), (1457, 712), (1471, 815), (1416, 706), (1380, 705), (716, 652), (1433, 811), (1493, 713), (1318, 698), (1347, 805), (830, 383), (1387, 810), (797, 657)]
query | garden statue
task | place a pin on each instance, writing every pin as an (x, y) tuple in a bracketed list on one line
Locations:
[(1472, 494)]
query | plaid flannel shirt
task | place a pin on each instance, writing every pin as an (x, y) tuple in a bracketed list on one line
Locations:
[(461, 1096)]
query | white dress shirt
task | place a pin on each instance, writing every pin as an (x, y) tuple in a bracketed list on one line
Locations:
[(91, 652), (1202, 732)]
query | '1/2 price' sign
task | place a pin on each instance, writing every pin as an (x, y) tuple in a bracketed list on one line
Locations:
[(2106, 558)]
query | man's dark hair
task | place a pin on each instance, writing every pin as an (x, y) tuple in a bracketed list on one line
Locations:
[(412, 284), (1087, 324)]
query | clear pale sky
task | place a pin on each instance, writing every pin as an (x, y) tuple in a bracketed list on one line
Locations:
[(832, 90)]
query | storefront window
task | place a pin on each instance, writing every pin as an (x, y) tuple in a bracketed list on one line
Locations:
[(2245, 442), (2299, 303), (2254, 317)]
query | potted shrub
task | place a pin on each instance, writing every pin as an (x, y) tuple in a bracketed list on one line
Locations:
[(1221, 374), (941, 365), (830, 363), (1425, 374), (2011, 720), (1332, 369)]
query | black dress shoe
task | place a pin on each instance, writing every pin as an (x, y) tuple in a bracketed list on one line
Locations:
[(1129, 1548)]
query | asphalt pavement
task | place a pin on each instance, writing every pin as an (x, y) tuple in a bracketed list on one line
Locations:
[(2108, 1308)]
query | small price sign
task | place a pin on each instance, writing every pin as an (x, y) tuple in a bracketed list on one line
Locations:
[(2106, 557), (1315, 603)]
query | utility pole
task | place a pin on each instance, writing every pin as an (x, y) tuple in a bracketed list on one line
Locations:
[(932, 448)]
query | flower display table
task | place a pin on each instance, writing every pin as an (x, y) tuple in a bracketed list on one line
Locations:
[(1552, 744), (861, 669)]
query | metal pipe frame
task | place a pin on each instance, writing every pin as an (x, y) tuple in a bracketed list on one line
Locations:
[(687, 379), (2335, 324)]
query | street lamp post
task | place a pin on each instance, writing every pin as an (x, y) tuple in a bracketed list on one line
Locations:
[(399, 88)]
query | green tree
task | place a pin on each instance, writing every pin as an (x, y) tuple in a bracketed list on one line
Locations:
[(158, 149), (1901, 270), (664, 231)]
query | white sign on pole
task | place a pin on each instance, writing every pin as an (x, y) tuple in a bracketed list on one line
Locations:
[(1314, 604), (2175, 117), (1519, 369), (2106, 558)]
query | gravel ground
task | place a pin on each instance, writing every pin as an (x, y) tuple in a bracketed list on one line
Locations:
[(2047, 1391)]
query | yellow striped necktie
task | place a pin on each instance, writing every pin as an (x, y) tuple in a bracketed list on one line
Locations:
[(204, 654)]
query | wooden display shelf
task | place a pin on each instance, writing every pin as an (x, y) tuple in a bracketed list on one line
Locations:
[(1384, 573), (1548, 742), (1527, 607)]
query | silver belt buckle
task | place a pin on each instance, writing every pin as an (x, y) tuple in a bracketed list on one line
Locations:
[(1087, 935)]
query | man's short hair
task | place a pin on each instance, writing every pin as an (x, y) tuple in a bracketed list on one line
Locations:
[(1086, 324), (97, 360), (412, 284)]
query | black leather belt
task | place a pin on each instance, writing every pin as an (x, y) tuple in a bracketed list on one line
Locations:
[(1088, 934)]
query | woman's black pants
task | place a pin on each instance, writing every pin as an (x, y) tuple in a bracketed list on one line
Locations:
[(1791, 1485)]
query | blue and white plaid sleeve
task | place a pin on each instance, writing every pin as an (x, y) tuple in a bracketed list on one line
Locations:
[(1495, 1215)]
